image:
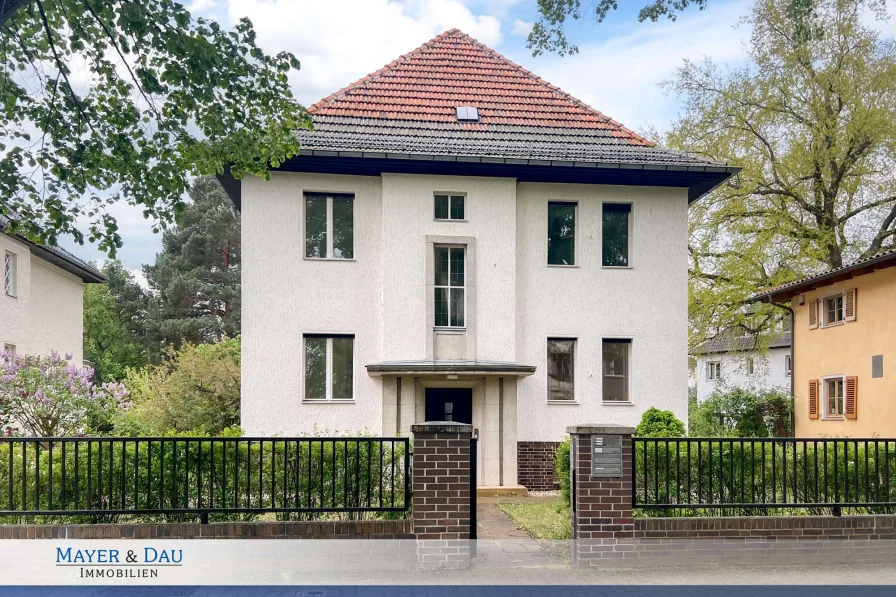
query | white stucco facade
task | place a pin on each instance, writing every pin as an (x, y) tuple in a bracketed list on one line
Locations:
[(47, 311), (769, 371), (515, 302)]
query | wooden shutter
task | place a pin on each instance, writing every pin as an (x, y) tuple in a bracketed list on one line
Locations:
[(850, 400), (813, 398), (813, 314), (849, 305)]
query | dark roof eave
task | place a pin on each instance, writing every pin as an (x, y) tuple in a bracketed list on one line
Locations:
[(451, 368), (353, 162), (87, 275), (828, 278)]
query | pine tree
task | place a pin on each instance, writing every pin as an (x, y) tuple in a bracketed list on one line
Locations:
[(195, 281)]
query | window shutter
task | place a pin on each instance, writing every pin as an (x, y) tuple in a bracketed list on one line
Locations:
[(850, 402), (813, 398), (849, 305), (813, 314)]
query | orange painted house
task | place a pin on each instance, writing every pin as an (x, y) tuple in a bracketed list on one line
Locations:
[(844, 349)]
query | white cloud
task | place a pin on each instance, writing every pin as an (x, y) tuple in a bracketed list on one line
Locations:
[(620, 76), (340, 41), (521, 28), (201, 5)]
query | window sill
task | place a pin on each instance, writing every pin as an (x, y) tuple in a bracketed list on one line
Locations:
[(446, 328), (617, 402), (449, 220), (324, 401), (12, 296), (564, 402), (617, 267), (832, 325), (327, 259), (833, 418), (560, 265)]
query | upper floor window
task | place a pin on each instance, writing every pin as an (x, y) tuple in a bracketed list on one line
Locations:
[(751, 366), (449, 207), (788, 365), (561, 379), (329, 367), (9, 273), (329, 226), (450, 287), (561, 233), (833, 309), (616, 370), (714, 370), (615, 234)]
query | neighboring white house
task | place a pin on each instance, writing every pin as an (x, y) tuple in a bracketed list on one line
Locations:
[(733, 362), (460, 240), (42, 297)]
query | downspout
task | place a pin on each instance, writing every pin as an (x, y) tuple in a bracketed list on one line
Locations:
[(792, 362)]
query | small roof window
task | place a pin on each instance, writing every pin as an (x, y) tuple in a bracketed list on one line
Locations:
[(467, 114)]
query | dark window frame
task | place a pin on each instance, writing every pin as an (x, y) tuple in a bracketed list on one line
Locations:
[(615, 207)]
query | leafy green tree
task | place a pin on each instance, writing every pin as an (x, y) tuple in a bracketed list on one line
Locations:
[(812, 121), (742, 412), (195, 280), (549, 33), (196, 388), (110, 341), (105, 101), (659, 423)]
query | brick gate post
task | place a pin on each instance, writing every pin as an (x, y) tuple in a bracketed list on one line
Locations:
[(601, 492), (441, 505)]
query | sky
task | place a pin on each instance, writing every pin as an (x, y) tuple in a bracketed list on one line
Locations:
[(617, 70)]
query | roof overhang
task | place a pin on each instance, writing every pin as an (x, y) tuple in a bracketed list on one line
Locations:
[(862, 268), (698, 180), (449, 368), (87, 275)]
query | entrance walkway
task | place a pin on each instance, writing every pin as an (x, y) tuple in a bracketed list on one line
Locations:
[(502, 545)]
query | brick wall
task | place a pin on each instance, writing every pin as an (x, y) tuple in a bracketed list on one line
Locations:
[(348, 529), (535, 465), (848, 528), (442, 468)]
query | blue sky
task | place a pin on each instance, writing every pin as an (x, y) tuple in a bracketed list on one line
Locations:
[(617, 70)]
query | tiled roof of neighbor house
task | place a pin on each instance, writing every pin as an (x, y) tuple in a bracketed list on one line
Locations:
[(58, 257), (743, 343), (865, 266), (410, 107)]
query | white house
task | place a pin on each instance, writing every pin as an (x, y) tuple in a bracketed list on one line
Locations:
[(460, 240), (42, 300), (730, 362)]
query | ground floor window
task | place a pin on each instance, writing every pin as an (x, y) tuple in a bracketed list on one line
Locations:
[(615, 358), (561, 379), (833, 397), (329, 367)]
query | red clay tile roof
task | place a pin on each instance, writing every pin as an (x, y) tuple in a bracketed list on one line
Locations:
[(409, 106)]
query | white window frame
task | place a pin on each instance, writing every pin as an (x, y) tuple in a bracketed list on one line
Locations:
[(713, 370), (10, 274), (450, 197), (575, 350), (437, 286), (10, 348), (824, 309), (329, 256), (328, 370), (631, 230), (788, 365), (575, 232), (824, 397), (751, 366)]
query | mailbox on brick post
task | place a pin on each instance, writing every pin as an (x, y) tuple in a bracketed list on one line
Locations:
[(600, 467), (441, 505)]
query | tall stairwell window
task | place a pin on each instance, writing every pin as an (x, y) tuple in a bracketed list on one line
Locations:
[(450, 287), (9, 273), (561, 233)]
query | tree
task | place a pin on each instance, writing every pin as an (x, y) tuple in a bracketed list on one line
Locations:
[(659, 423), (196, 388), (123, 100), (114, 324), (812, 121), (195, 280), (549, 33)]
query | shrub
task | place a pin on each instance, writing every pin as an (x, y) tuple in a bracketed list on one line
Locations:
[(51, 397), (659, 423), (561, 470), (742, 413)]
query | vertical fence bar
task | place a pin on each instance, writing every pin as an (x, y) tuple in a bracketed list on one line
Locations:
[(10, 473)]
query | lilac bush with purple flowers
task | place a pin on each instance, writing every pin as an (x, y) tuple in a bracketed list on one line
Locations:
[(52, 397)]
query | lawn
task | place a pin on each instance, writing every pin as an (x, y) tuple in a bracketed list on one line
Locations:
[(542, 520)]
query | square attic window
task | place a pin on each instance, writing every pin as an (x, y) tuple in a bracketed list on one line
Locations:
[(467, 114)]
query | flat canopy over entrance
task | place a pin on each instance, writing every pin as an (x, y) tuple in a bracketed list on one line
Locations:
[(459, 368)]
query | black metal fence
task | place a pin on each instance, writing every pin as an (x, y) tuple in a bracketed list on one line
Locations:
[(757, 476), (199, 476)]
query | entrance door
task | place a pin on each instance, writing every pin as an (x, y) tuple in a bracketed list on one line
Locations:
[(449, 404)]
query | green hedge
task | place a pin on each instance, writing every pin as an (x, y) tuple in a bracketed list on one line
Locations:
[(142, 476)]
